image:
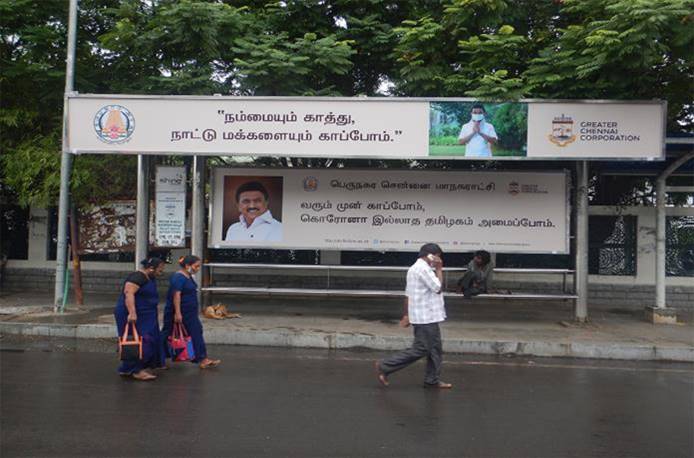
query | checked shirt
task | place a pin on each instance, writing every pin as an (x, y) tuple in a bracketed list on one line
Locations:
[(424, 298)]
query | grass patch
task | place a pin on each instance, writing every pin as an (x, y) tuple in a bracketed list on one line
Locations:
[(459, 150)]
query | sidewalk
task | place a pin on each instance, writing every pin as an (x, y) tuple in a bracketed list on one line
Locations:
[(541, 329)]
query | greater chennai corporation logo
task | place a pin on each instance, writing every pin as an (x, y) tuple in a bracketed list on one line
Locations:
[(114, 124), (562, 131), (310, 184)]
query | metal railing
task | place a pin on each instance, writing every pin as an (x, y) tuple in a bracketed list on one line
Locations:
[(327, 268)]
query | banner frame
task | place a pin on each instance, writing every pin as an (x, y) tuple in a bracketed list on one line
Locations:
[(218, 97), (212, 176)]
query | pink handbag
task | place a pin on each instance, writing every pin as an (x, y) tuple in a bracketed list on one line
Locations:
[(180, 344)]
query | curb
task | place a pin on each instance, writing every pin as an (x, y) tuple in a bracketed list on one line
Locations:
[(336, 341)]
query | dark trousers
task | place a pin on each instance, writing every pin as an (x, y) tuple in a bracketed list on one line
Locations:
[(427, 342), (472, 284)]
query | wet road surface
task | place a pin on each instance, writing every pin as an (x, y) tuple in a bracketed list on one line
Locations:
[(66, 401)]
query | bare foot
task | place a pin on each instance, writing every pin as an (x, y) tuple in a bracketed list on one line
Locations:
[(382, 379)]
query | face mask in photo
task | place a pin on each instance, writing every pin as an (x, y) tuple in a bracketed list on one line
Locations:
[(477, 116)]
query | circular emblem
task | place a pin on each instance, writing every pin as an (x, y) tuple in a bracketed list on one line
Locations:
[(114, 124), (310, 184)]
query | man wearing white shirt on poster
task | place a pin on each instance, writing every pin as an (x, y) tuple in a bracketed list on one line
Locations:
[(255, 220), (477, 135)]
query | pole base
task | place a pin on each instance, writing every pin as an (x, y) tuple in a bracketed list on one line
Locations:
[(659, 315)]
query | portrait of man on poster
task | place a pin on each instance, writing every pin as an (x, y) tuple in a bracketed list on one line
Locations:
[(255, 220), (478, 134)]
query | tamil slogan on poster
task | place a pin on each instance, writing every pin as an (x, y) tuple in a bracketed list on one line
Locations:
[(378, 128), (238, 126), (382, 210)]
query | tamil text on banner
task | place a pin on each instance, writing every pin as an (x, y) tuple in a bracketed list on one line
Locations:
[(234, 126), (382, 210), (381, 128)]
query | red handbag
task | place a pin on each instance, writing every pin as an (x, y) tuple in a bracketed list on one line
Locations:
[(180, 344), (130, 345)]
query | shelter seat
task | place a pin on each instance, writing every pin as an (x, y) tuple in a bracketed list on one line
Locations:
[(327, 291), (255, 291)]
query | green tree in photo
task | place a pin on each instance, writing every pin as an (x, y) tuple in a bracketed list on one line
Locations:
[(511, 125)]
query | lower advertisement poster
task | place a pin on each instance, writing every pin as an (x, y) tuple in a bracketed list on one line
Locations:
[(389, 210)]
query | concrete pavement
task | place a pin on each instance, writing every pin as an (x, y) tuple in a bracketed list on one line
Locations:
[(539, 329)]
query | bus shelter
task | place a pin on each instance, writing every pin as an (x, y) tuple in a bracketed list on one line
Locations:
[(389, 209)]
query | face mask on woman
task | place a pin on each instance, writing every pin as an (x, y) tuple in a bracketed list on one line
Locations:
[(477, 116)]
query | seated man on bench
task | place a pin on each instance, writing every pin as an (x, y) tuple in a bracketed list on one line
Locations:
[(478, 277)]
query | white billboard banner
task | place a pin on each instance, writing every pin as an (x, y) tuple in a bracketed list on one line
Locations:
[(583, 131), (216, 125), (383, 210), (380, 128), (170, 219)]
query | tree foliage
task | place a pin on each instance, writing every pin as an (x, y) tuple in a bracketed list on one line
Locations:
[(582, 49), (488, 49)]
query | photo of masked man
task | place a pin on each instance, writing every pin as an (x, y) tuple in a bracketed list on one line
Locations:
[(256, 222), (477, 135)]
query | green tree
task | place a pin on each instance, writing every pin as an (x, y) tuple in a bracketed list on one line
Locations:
[(488, 49), (621, 49), (583, 49), (32, 78)]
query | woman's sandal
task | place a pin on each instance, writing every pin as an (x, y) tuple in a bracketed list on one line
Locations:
[(209, 363), (144, 376)]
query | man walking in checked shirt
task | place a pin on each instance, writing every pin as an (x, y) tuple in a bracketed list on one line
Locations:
[(425, 310)]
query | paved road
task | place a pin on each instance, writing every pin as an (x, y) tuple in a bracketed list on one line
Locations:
[(63, 401)]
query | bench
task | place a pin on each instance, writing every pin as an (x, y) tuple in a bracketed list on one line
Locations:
[(327, 291)]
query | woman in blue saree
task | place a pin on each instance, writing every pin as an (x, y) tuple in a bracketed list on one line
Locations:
[(138, 304), (182, 307)]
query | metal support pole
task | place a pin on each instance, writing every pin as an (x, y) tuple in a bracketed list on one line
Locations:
[(142, 211), (65, 163), (197, 236), (660, 243), (582, 242), (61, 253)]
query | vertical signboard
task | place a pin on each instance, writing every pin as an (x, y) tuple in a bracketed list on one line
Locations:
[(170, 211)]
